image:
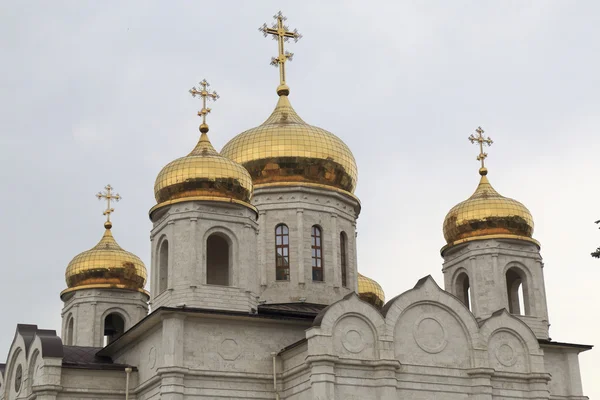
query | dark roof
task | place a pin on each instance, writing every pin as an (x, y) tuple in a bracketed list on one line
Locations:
[(2, 369), (308, 310), (86, 358), (582, 347)]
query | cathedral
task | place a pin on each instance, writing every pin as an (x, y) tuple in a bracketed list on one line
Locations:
[(255, 291)]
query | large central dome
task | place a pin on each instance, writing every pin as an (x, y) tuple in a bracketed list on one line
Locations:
[(285, 149)]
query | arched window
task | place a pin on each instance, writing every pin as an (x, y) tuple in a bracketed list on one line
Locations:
[(282, 253), (69, 333), (217, 260), (114, 326), (518, 296), (344, 258), (163, 267), (463, 290), (317, 254)]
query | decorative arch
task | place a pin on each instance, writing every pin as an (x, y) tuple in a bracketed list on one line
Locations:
[(220, 246), (163, 264), (115, 321), (31, 370), (519, 292), (461, 284), (69, 330)]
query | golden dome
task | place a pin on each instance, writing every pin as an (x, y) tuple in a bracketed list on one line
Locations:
[(285, 149), (370, 291), (106, 265), (487, 214), (204, 174)]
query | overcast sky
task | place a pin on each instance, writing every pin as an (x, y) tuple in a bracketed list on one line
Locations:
[(96, 92)]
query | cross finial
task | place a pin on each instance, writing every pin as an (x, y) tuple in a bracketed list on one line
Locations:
[(108, 196), (204, 92), (482, 141), (282, 34)]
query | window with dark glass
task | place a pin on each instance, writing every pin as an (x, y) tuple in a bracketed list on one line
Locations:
[(282, 253), (344, 259), (317, 254)]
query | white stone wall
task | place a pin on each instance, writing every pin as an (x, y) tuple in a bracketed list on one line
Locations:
[(89, 307), (486, 263), (300, 208), (186, 226)]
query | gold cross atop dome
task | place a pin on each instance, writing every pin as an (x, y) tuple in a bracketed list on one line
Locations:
[(282, 34), (108, 196), (204, 93), (482, 141)]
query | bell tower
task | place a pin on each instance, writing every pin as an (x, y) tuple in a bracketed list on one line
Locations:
[(204, 229), (105, 293), (491, 261)]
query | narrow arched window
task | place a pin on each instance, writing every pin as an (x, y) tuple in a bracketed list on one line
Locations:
[(217, 260), (516, 287), (68, 333), (163, 267), (463, 290), (317, 253), (114, 326), (344, 258), (282, 253)]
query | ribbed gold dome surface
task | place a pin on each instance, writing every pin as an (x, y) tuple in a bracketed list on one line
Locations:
[(487, 213), (285, 149), (106, 265), (203, 173), (370, 291)]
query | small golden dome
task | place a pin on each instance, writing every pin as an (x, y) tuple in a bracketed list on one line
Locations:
[(370, 291), (285, 149), (203, 173), (106, 265), (486, 213)]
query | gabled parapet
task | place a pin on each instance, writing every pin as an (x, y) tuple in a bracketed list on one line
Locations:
[(423, 332)]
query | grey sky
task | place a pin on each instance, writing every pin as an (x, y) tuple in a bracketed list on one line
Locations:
[(96, 92)]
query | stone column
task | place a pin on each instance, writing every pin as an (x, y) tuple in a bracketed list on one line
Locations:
[(337, 276), (300, 256), (195, 272), (322, 380), (262, 258), (171, 238)]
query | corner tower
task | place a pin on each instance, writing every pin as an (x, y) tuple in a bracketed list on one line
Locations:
[(304, 178), (204, 229), (105, 293), (491, 261)]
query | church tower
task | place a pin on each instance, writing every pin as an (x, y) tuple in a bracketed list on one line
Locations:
[(204, 229), (491, 261), (105, 293), (304, 178)]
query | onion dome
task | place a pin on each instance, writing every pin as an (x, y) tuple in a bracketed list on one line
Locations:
[(370, 291), (487, 214), (286, 150), (106, 265), (203, 174)]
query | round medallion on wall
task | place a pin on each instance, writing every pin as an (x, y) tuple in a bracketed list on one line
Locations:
[(18, 378), (353, 341), (430, 334), (505, 355), (152, 358), (229, 350)]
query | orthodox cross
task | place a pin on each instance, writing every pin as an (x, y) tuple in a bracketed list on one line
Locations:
[(204, 92), (108, 196), (281, 33), (483, 141)]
